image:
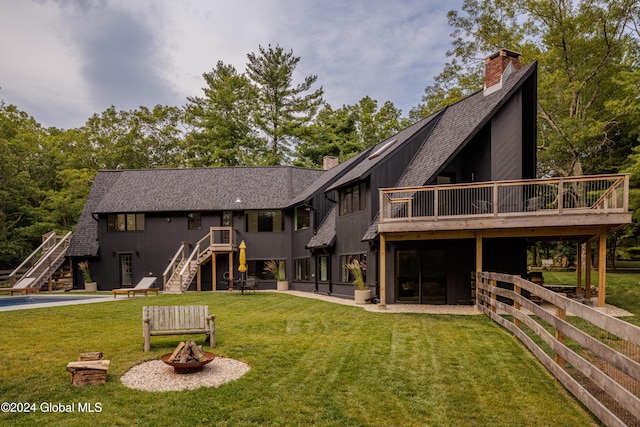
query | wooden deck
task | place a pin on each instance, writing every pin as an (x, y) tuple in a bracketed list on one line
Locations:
[(563, 206)]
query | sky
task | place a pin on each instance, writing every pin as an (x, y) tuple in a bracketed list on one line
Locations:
[(62, 61)]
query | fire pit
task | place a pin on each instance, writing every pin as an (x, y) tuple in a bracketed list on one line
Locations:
[(188, 358), (188, 367)]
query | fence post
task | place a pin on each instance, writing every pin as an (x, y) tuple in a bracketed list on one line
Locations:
[(494, 283), (562, 314), (516, 305)]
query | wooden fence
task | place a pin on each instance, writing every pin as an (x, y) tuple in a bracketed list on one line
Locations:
[(594, 355)]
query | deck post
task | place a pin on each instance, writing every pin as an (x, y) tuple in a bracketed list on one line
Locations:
[(587, 272), (579, 269), (383, 271), (602, 268), (214, 273), (478, 260), (199, 278)]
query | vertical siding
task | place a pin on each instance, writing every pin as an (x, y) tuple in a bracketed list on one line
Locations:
[(506, 141)]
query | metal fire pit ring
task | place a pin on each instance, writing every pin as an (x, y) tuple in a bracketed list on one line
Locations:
[(187, 367)]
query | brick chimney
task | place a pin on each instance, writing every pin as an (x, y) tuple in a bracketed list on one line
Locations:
[(329, 162), (497, 65)]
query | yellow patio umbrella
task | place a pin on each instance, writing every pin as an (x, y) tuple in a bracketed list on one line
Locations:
[(243, 257)]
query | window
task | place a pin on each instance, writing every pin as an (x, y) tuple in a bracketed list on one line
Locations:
[(194, 221), (255, 267), (302, 218), (125, 222), (303, 268), (353, 199), (323, 263), (264, 221), (346, 276)]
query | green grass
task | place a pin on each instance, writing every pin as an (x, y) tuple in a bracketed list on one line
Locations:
[(623, 288), (312, 363)]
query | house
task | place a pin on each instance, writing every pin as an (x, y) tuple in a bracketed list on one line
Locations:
[(423, 210)]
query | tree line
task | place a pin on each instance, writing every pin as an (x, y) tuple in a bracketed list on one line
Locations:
[(588, 53)]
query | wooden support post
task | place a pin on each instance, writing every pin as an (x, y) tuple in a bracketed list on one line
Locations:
[(579, 269), (383, 270), (199, 278), (214, 273), (478, 260), (562, 314), (230, 265), (587, 272), (602, 269)]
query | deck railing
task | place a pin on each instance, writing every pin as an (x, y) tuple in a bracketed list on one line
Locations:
[(219, 238), (553, 196), (594, 355)]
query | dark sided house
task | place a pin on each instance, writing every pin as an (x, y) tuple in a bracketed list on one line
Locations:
[(450, 195)]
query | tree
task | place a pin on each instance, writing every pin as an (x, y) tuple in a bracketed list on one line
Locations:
[(347, 131), (284, 109), (581, 48), (135, 139), (223, 133), (20, 141)]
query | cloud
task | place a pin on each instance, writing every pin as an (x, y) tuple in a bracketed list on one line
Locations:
[(64, 61)]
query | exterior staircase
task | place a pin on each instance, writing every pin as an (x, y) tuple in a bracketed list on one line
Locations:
[(43, 262), (184, 266)]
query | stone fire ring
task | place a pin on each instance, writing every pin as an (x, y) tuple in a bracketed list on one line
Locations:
[(156, 375)]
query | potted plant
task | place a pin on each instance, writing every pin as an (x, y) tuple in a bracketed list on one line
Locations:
[(277, 270), (361, 294), (89, 285)]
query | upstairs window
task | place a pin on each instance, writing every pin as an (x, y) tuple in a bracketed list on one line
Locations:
[(125, 222), (302, 218), (353, 199), (194, 221), (264, 221)]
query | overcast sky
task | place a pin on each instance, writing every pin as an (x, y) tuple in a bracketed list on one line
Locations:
[(62, 61)]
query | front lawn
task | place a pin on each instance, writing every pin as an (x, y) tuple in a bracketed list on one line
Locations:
[(312, 363)]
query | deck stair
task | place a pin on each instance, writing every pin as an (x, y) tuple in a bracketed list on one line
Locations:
[(43, 262), (184, 265)]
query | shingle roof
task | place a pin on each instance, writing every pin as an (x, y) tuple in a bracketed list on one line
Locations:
[(364, 168), (326, 234), (329, 177), (84, 241), (228, 188), (456, 127)]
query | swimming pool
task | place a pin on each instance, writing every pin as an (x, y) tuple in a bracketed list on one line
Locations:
[(39, 301)]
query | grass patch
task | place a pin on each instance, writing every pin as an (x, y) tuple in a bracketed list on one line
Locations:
[(623, 288), (312, 363)]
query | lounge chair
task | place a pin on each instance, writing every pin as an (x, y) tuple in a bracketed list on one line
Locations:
[(143, 286), (23, 286)]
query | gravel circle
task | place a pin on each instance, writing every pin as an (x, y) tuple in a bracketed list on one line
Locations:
[(155, 375)]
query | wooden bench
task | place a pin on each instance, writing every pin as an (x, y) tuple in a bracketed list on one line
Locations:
[(177, 320)]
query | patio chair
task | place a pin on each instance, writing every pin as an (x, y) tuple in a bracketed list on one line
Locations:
[(481, 207), (533, 204), (23, 286), (143, 286)]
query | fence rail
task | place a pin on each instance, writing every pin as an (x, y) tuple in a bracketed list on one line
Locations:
[(594, 355), (559, 196)]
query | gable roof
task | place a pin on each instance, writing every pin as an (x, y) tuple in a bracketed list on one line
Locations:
[(458, 124), (329, 177), (386, 148), (205, 189), (84, 241), (326, 234)]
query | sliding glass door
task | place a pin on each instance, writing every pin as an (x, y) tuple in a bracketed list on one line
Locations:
[(421, 276)]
